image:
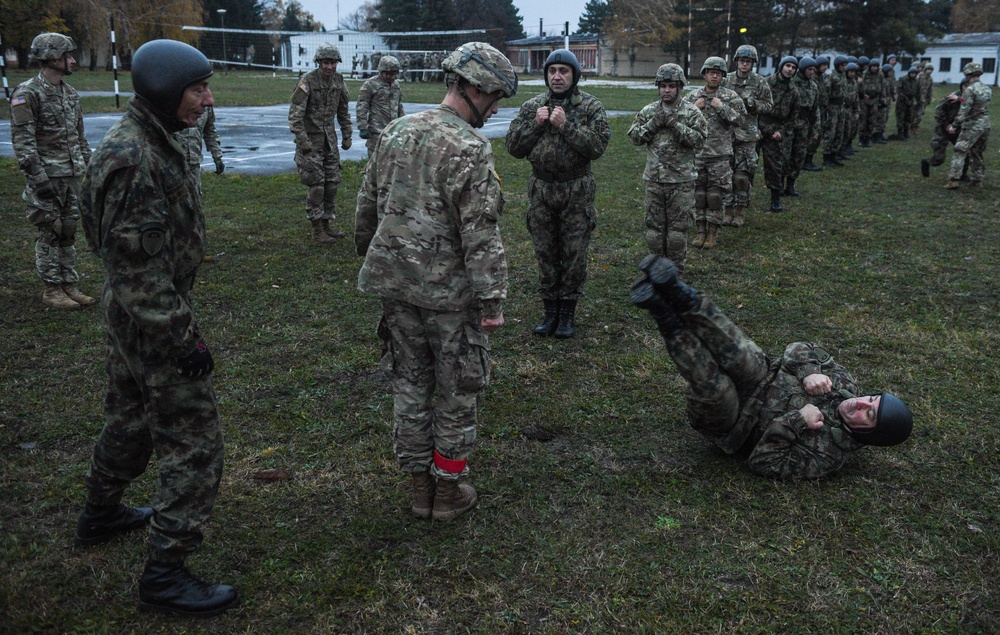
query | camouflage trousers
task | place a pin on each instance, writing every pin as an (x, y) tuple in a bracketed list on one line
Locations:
[(918, 113), (904, 117), (561, 218), (56, 220), (971, 145), (721, 365), (798, 146), (744, 169), (868, 121), (851, 123), (668, 209), (882, 120), (940, 140), (371, 142), (775, 155), (320, 171), (439, 365), (833, 131), (711, 189), (149, 408)]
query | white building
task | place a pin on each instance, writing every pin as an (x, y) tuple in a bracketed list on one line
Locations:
[(953, 51), (298, 50)]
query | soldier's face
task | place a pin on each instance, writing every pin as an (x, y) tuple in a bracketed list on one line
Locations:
[(713, 78), (860, 413), (788, 69), (822, 68), (65, 64), (389, 76), (669, 91), (487, 103), (560, 77), (194, 101), (809, 72), (743, 65), (327, 68)]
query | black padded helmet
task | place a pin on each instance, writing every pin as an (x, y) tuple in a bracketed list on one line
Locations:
[(894, 423), (806, 62), (562, 56), (163, 69), (788, 59), (840, 59)]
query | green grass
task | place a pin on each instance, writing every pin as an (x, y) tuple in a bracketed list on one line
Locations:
[(627, 521)]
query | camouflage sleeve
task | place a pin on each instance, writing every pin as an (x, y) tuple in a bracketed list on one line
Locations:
[(297, 111), (24, 111), (363, 107), (84, 144), (764, 102), (790, 450), (523, 133), (693, 131), (366, 212), (344, 112), (733, 112), (141, 272), (589, 137), (805, 358), (211, 136), (968, 101), (480, 205), (643, 126)]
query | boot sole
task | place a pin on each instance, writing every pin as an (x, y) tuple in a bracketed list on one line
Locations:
[(170, 610)]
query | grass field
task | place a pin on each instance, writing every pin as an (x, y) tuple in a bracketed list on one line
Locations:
[(626, 521)]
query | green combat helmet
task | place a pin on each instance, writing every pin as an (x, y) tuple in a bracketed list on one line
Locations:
[(746, 51), (51, 46), (327, 51), (972, 68), (388, 63), (484, 67), (670, 73), (714, 64), (162, 70)]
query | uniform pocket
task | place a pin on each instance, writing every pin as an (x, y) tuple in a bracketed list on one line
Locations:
[(475, 362)]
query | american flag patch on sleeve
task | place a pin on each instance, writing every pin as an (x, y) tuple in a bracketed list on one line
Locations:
[(17, 101)]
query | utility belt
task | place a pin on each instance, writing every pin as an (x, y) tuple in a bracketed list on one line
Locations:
[(560, 177)]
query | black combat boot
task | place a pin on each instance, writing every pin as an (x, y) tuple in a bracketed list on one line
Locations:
[(168, 587), (665, 278), (776, 200), (810, 166), (865, 143), (830, 161), (667, 321), (567, 313), (99, 524), (925, 168), (790, 187), (550, 320)]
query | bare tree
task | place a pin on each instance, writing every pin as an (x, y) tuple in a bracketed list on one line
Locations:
[(361, 20)]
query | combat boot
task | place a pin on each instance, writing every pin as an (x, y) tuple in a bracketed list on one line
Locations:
[(711, 236), (790, 187), (738, 213), (776, 200), (830, 161), (75, 295), (168, 587), (55, 297), (99, 524), (727, 216), (810, 166), (421, 494), (550, 320), (953, 184), (699, 239), (332, 233), (567, 315), (667, 321), (321, 236), (865, 143), (665, 278), (925, 168), (452, 499)]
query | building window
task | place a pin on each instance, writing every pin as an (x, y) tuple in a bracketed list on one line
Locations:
[(989, 64), (945, 65), (963, 62), (341, 38)]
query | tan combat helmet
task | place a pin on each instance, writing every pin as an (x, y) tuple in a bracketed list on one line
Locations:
[(972, 68), (670, 73), (51, 46), (483, 66), (714, 64), (388, 63), (747, 51), (327, 51)]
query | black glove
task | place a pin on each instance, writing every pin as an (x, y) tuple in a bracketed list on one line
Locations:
[(220, 167), (46, 192), (197, 364)]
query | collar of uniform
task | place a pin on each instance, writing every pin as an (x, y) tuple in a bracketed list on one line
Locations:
[(574, 97), (165, 129)]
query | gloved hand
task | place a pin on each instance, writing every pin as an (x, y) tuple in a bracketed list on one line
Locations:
[(304, 144), (751, 104), (197, 364), (363, 133), (220, 167), (45, 191), (346, 143), (663, 119)]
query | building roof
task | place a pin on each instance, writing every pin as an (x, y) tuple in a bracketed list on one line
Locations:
[(557, 40), (967, 39)]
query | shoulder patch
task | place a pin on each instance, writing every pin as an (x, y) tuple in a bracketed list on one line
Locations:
[(153, 238), (20, 110), (18, 101), (303, 86)]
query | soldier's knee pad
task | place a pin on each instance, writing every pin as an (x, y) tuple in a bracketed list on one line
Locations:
[(714, 197), (741, 181), (48, 233), (67, 233), (700, 198)]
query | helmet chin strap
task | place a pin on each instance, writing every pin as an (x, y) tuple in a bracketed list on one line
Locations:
[(480, 121)]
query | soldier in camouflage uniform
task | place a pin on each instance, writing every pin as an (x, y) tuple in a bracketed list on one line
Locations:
[(319, 99), (944, 116), (823, 103), (433, 253), (885, 103), (379, 102), (142, 216), (801, 415), (852, 108), (806, 127), (871, 89), (724, 111), (756, 96), (907, 102), (673, 132), (925, 83), (560, 132), (52, 152), (974, 121), (775, 125), (833, 131)]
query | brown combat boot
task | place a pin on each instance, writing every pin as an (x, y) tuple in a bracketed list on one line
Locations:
[(452, 499), (727, 216), (321, 236), (738, 213), (55, 297), (711, 234), (333, 233), (75, 295), (421, 494), (699, 240), (953, 184)]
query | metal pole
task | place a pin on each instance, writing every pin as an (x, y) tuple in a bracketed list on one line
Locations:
[(687, 62), (225, 55), (3, 70), (114, 63), (729, 22), (566, 36)]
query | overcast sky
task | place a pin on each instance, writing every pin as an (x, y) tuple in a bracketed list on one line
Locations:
[(553, 13)]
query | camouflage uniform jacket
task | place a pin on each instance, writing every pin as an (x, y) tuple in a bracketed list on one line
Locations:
[(889, 92), (378, 103), (427, 216), (836, 84), (142, 216), (206, 124), (926, 83), (673, 137), (315, 101), (852, 101), (783, 108), (756, 96), (47, 131), (873, 86), (822, 96), (783, 446), (583, 137), (974, 112), (723, 122), (945, 113), (909, 90), (807, 99)]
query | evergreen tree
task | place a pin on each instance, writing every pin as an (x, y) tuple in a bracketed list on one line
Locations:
[(594, 14)]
